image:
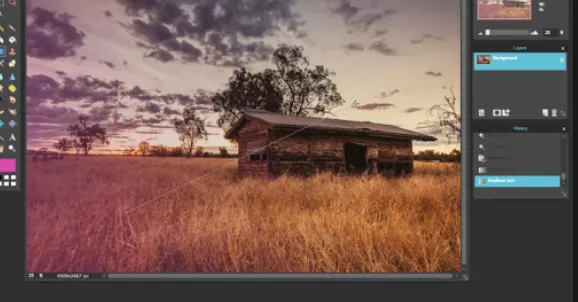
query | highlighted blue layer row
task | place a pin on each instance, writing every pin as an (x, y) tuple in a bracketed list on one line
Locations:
[(504, 61), (513, 181)]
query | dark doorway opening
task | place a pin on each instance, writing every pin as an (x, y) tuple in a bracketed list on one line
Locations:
[(355, 157)]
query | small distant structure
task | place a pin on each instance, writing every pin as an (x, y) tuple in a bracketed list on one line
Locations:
[(272, 144)]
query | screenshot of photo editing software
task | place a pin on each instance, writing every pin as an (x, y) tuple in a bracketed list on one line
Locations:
[(422, 149)]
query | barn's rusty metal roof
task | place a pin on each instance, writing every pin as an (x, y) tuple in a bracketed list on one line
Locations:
[(278, 120)]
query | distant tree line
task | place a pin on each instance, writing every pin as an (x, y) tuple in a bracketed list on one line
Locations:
[(431, 155), (145, 149)]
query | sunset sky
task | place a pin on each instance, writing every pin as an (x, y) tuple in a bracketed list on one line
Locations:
[(133, 65)]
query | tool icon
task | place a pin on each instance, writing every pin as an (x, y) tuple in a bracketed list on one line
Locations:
[(545, 112), (481, 158)]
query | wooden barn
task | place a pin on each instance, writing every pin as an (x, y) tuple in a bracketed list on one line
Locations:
[(271, 144)]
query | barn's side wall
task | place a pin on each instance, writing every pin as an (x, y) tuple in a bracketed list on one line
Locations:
[(253, 153), (305, 153)]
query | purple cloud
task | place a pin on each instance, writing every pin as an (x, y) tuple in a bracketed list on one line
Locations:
[(51, 36), (212, 32)]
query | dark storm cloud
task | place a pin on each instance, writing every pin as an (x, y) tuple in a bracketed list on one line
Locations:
[(433, 73), (116, 116), (161, 55), (149, 132), (128, 124), (170, 111), (214, 32), (200, 98), (51, 35), (375, 106), (187, 51), (426, 37), (431, 131), (150, 108), (160, 126), (43, 134), (154, 32), (360, 19), (119, 136), (433, 37), (345, 9), (354, 46), (100, 100), (380, 32), (413, 109), (430, 127), (42, 88), (108, 64), (50, 114), (88, 91), (387, 94), (102, 113), (382, 48)]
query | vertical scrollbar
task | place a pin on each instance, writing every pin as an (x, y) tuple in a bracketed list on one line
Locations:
[(565, 164), (12, 149)]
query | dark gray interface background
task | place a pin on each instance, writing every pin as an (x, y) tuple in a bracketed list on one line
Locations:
[(525, 93)]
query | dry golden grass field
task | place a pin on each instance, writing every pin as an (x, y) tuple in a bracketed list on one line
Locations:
[(499, 11), (82, 218)]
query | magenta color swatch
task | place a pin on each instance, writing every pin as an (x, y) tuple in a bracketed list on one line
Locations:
[(7, 165)]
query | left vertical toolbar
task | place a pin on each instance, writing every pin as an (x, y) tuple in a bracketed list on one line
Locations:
[(12, 95)]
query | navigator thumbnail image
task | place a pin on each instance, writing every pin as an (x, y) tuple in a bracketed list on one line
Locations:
[(504, 9)]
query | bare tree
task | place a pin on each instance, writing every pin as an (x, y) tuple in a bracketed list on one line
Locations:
[(447, 118), (143, 148), (129, 151), (88, 135), (63, 145), (224, 152), (190, 129)]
